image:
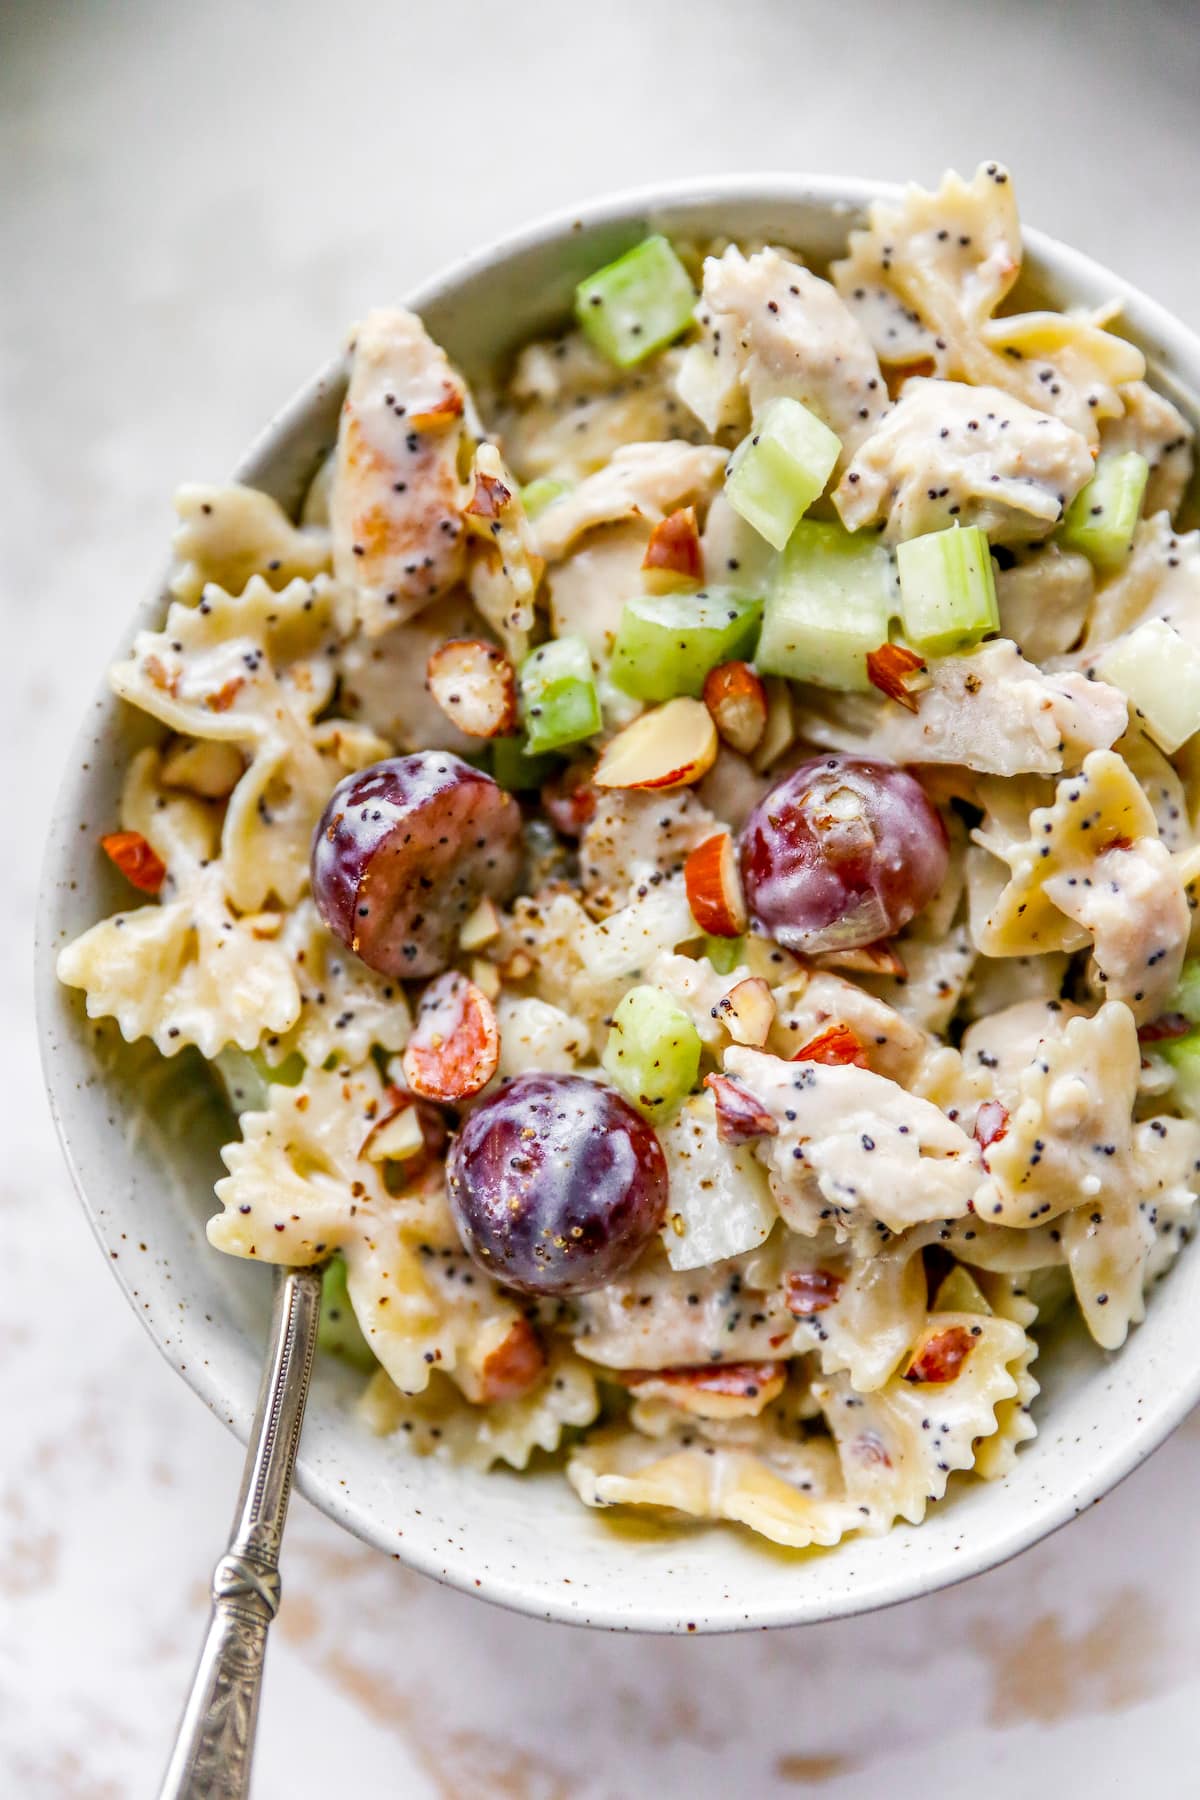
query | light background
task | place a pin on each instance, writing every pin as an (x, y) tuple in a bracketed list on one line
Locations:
[(194, 201)]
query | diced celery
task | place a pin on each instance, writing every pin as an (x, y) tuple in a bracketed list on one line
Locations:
[(830, 603), (653, 1051), (1103, 516), (723, 953), (1158, 672), (339, 1332), (667, 643), (537, 495), (1186, 998), (246, 1076), (516, 771), (777, 472), (1182, 1055), (635, 305), (947, 590), (559, 703)]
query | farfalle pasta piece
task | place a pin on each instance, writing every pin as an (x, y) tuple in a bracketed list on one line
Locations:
[(253, 670), (1092, 869), (228, 534), (346, 1009), (929, 271), (645, 481), (396, 500), (949, 453), (996, 1456), (900, 1444), (790, 1493), (769, 328), (441, 1422), (187, 970), (859, 1314), (504, 569), (852, 1144), (301, 1185), (1044, 601), (1112, 1242), (987, 709)]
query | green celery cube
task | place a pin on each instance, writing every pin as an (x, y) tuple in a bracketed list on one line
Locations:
[(831, 602), (947, 590), (777, 472), (1103, 516), (537, 495), (637, 304), (653, 1051), (1159, 673), (559, 703), (666, 644), (516, 771)]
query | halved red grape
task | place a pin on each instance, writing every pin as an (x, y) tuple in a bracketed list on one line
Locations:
[(556, 1184), (842, 852), (404, 852)]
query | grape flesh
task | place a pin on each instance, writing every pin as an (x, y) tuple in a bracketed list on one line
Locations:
[(841, 853), (556, 1184), (403, 853)]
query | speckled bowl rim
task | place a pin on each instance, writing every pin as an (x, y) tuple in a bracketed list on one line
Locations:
[(1174, 353)]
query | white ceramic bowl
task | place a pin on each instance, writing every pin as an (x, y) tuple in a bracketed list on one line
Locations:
[(142, 1135)]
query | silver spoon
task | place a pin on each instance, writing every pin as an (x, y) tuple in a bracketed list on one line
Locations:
[(215, 1741)]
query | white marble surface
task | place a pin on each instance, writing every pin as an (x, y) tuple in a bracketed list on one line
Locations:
[(193, 201)]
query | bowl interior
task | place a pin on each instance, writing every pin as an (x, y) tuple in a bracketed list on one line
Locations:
[(142, 1134)]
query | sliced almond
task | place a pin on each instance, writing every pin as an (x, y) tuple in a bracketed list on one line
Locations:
[(867, 959), (747, 1012), (475, 685), (508, 1369), (898, 672), (740, 1116), (136, 858), (737, 700), (439, 413), (710, 1390), (455, 1047), (481, 927), (939, 1357), (487, 502), (673, 556), (669, 747), (396, 1139), (836, 1046), (809, 1291), (714, 887), (779, 733)]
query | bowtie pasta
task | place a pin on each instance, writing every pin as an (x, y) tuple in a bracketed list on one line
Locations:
[(684, 865)]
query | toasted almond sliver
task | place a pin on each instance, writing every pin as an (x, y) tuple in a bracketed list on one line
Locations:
[(669, 747), (399, 1138), (481, 927)]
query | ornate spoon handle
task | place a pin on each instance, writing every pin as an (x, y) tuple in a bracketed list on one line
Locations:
[(215, 1743)]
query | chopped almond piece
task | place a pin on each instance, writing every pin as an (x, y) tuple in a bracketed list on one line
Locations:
[(740, 1117), (475, 685), (222, 698), (897, 672), (779, 733), (570, 799), (809, 1291), (442, 413), (673, 556), (397, 1138), (867, 959), (669, 747), (710, 1390), (747, 1012), (515, 1365), (714, 887), (486, 977), (490, 498), (1164, 1028), (455, 1047), (137, 861), (835, 1046), (482, 927), (941, 1356), (991, 1123), (737, 700)]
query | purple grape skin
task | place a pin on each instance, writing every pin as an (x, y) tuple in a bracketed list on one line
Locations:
[(405, 850), (841, 853), (556, 1184)]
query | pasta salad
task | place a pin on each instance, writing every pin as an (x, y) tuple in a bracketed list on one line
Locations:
[(684, 864)]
